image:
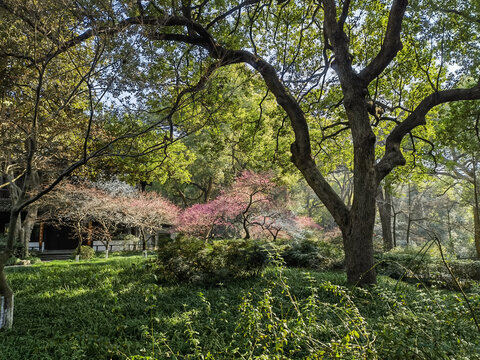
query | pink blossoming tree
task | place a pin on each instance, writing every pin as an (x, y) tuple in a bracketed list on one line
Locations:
[(254, 207)]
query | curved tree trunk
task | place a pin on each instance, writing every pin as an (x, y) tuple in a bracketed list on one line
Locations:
[(245, 228)]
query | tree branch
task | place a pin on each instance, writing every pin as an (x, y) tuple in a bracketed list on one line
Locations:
[(391, 43), (393, 156)]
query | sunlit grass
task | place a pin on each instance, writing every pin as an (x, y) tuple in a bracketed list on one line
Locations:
[(115, 309)]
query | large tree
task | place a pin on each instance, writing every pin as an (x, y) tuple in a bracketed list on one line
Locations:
[(293, 46), (49, 98)]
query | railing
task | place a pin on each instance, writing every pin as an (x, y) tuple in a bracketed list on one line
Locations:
[(117, 247)]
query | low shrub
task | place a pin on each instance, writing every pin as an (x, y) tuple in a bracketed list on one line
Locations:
[(17, 248), (417, 266), (12, 261), (193, 260), (188, 259), (308, 253), (33, 259), (85, 252), (466, 269)]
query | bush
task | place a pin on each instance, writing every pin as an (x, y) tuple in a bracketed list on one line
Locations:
[(193, 260), (188, 259), (85, 252), (17, 247), (129, 241), (413, 265), (33, 259), (12, 261), (313, 254)]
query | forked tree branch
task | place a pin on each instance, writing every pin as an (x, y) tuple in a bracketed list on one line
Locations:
[(392, 43), (393, 156)]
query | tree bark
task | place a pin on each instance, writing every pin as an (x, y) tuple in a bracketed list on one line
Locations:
[(6, 301), (6, 293), (208, 190), (409, 215), (476, 222), (245, 228), (385, 212), (27, 228), (476, 211)]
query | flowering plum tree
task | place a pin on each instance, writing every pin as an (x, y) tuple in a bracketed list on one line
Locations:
[(148, 212), (108, 207), (254, 207)]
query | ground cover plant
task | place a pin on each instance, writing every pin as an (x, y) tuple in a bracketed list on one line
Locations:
[(427, 266), (116, 309)]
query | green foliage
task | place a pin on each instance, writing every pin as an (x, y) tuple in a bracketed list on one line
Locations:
[(85, 252), (27, 261), (13, 260), (418, 265), (313, 254), (17, 247), (129, 241), (34, 259), (279, 325), (114, 309), (188, 259)]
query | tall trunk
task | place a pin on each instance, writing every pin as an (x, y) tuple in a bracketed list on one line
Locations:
[(394, 229), (449, 229), (144, 239), (476, 211), (358, 237), (476, 222), (79, 231), (208, 190), (409, 225), (409, 215), (309, 206), (18, 232), (27, 228), (385, 211), (6, 293)]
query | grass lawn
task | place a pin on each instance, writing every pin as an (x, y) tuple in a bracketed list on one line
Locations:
[(114, 309)]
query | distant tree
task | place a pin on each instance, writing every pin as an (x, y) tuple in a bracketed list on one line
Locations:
[(459, 157), (101, 210), (149, 213)]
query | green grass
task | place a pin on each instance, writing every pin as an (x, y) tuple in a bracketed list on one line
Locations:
[(114, 309)]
